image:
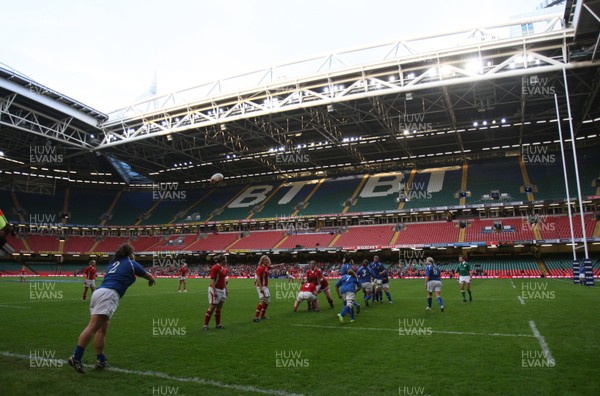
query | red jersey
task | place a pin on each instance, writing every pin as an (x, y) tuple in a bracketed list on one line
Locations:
[(262, 273), (309, 287), (314, 276), (218, 274), (89, 272), (183, 271), (23, 270), (324, 283)]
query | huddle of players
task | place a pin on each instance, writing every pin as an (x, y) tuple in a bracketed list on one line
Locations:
[(372, 278)]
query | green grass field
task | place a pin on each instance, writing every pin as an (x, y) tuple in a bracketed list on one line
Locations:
[(156, 344)]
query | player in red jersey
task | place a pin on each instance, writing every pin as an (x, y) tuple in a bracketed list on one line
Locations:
[(217, 291), (325, 290), (23, 272), (262, 282), (182, 272), (314, 275), (89, 274), (308, 291)]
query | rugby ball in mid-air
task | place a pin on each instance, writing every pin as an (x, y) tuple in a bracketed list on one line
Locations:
[(216, 178)]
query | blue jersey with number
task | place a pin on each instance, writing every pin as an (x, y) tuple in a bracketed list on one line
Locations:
[(376, 268), (348, 284), (364, 275), (120, 274), (433, 272)]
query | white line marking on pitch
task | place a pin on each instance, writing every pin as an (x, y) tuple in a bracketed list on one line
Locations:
[(196, 380), (521, 299), (433, 331), (513, 285), (13, 306), (543, 344)]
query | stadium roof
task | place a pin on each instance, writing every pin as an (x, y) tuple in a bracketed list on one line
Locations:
[(425, 100)]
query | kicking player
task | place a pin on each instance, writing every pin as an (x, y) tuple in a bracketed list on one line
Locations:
[(464, 278), (308, 291), (349, 286), (433, 283), (364, 276), (217, 291), (261, 282), (89, 281), (120, 274), (182, 272)]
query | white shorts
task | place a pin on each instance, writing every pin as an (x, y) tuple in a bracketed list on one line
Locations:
[(221, 296), (264, 296), (385, 285), (581, 276), (318, 288), (462, 279), (378, 282), (348, 298), (104, 302), (434, 285), (324, 290), (367, 286), (182, 278), (306, 296), (89, 283)]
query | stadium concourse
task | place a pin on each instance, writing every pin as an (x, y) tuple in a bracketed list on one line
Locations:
[(481, 143)]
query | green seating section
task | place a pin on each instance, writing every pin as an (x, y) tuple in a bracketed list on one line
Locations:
[(330, 196), (427, 190), (87, 206), (278, 207), (499, 174)]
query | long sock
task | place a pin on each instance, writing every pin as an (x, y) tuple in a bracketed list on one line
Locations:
[(429, 302), (389, 296), (440, 301), (262, 312), (207, 316), (101, 357), (352, 313), (345, 310), (470, 296), (463, 294), (258, 309), (78, 353), (84, 294), (330, 302), (218, 317)]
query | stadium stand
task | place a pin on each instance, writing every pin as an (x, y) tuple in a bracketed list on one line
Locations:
[(501, 175), (78, 244), (434, 188), (425, 233), (258, 240), (365, 236), (87, 206), (213, 241), (214, 205), (512, 229), (131, 207), (285, 199), (109, 244), (306, 240), (505, 266), (380, 192), (43, 243), (330, 195), (558, 227), (41, 208)]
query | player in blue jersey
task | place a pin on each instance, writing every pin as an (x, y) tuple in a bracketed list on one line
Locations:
[(365, 276), (120, 274), (385, 285), (433, 283), (347, 265), (346, 288), (377, 269)]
